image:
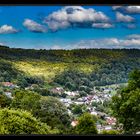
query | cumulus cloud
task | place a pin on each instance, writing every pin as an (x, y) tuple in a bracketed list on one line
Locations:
[(128, 9), (124, 18), (1, 44), (7, 29), (56, 47), (74, 16), (134, 36), (102, 25), (131, 41), (34, 26)]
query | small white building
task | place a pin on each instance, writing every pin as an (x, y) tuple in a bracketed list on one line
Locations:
[(8, 94), (108, 127), (79, 103), (93, 113), (74, 123), (73, 93)]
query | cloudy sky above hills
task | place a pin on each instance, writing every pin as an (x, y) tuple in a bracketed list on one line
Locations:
[(70, 27)]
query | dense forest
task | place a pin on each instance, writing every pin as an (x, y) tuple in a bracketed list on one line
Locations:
[(79, 69)]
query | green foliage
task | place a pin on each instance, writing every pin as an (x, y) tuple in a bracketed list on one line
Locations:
[(110, 132), (21, 122), (7, 72), (54, 113), (86, 125), (77, 110), (69, 68), (112, 72), (26, 100), (126, 105), (4, 101)]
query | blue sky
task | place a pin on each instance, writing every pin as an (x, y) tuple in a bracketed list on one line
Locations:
[(70, 27)]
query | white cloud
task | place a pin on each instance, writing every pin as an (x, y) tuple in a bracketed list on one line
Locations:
[(34, 26), (124, 18), (54, 25), (56, 47), (74, 16), (102, 25), (131, 41), (128, 9), (134, 36), (6, 29), (1, 44)]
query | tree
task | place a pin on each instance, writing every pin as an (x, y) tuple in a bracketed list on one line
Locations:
[(21, 122), (77, 110), (110, 132), (26, 100), (4, 101), (126, 105), (54, 113), (86, 125)]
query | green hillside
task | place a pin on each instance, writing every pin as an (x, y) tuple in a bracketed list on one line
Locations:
[(81, 67)]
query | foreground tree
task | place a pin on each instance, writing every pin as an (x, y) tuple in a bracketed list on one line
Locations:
[(110, 132), (126, 104), (86, 125), (54, 113), (21, 122), (26, 100)]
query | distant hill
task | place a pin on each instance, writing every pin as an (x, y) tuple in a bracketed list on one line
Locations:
[(95, 66)]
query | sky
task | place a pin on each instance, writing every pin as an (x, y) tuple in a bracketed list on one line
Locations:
[(70, 27)]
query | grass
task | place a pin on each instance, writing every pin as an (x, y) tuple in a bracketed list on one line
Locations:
[(49, 69)]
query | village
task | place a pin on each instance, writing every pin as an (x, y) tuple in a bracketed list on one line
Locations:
[(97, 96)]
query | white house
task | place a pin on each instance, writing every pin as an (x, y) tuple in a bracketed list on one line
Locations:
[(93, 113), (108, 127), (8, 94)]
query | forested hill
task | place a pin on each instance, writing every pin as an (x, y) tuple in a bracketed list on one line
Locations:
[(76, 55), (71, 69)]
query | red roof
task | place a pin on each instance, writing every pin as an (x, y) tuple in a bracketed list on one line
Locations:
[(7, 83)]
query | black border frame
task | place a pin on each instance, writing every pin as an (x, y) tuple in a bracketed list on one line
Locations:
[(68, 2)]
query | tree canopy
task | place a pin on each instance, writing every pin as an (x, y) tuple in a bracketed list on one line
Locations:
[(86, 125), (126, 105), (21, 122)]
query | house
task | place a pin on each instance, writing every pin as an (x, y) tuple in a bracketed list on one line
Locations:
[(108, 127), (9, 84), (73, 93), (8, 94), (58, 90), (65, 100), (74, 123), (99, 127), (79, 103), (111, 120), (89, 98), (79, 99), (93, 113)]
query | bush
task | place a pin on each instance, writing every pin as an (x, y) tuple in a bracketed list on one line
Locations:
[(54, 113), (110, 132), (86, 125), (21, 122)]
